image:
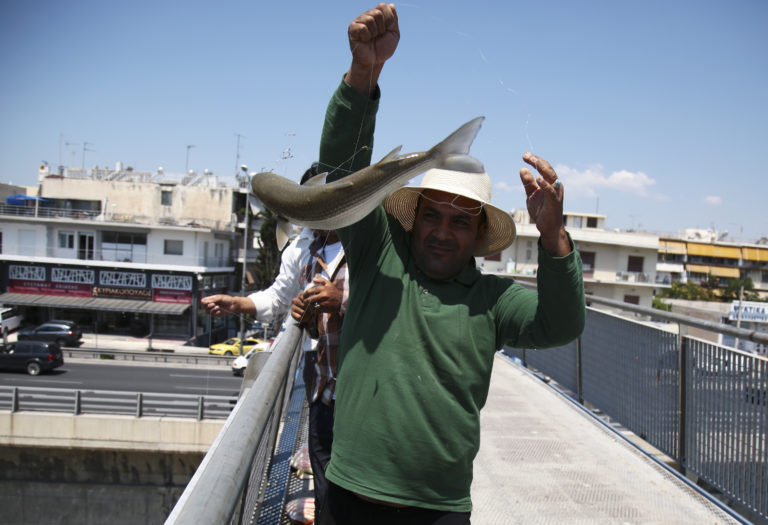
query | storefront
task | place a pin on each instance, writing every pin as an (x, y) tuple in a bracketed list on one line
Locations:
[(111, 300)]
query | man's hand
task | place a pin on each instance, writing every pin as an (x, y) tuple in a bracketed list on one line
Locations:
[(545, 205), (324, 296), (373, 38), (220, 305)]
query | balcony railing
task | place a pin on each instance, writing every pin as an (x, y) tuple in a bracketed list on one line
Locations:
[(44, 212)]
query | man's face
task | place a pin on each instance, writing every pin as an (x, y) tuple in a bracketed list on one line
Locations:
[(444, 236)]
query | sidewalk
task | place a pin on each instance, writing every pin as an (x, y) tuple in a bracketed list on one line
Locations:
[(127, 342)]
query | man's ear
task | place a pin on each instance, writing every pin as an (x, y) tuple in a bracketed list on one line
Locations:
[(482, 233)]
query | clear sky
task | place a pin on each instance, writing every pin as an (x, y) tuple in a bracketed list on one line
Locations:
[(655, 113)]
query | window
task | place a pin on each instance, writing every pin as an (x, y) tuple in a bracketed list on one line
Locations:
[(124, 246), (588, 261), (576, 222), (166, 197), (171, 247), (632, 299), (591, 222), (635, 263), (85, 246), (67, 240)]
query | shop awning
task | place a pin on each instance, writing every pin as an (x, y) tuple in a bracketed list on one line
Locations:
[(751, 254), (93, 303), (717, 271), (713, 250), (675, 247)]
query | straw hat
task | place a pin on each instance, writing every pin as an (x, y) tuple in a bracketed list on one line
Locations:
[(476, 186)]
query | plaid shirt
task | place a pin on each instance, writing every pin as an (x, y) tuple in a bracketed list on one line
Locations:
[(327, 330)]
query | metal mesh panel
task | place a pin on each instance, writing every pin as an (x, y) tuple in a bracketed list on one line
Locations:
[(727, 421), (629, 372), (558, 362)]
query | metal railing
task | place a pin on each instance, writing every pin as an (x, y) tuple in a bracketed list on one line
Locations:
[(230, 483), (139, 404), (702, 404)]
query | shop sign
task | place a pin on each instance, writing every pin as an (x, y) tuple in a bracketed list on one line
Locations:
[(173, 296), (49, 288), (143, 294), (751, 311)]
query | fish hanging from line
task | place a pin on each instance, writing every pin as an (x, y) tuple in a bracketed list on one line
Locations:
[(337, 204)]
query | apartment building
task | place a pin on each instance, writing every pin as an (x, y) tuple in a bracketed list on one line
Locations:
[(617, 265), (121, 251), (700, 257)]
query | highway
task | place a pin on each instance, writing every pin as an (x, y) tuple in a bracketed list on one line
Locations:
[(168, 379)]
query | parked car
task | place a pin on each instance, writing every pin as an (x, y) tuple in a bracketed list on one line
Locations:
[(241, 363), (232, 346), (10, 320), (61, 332), (32, 356)]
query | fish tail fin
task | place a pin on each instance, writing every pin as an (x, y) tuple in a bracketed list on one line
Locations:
[(282, 233), (453, 152)]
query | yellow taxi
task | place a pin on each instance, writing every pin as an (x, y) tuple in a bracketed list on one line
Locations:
[(232, 346)]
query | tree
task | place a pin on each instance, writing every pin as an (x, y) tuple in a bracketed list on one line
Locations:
[(731, 291), (267, 264), (689, 291)]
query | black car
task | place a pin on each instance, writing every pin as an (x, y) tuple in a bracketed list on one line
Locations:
[(61, 332), (32, 356)]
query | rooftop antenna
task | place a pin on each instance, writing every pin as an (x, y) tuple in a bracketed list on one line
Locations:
[(186, 163), (237, 154), (85, 148)]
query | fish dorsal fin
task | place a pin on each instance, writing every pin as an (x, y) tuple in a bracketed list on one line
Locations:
[(282, 233), (317, 180), (392, 155)]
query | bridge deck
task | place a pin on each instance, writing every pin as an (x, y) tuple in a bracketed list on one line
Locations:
[(544, 460)]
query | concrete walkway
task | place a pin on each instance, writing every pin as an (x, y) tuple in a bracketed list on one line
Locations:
[(543, 460)]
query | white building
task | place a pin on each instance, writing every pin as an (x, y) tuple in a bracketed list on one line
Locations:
[(617, 265), (121, 251)]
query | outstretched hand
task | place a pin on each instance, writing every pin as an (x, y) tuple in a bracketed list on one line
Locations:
[(545, 204)]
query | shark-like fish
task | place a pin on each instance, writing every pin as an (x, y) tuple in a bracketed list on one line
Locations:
[(331, 206)]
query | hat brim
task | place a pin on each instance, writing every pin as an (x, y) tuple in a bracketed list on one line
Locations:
[(501, 233)]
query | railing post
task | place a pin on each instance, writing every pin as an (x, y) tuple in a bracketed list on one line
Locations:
[(200, 404), (139, 403), (682, 365), (78, 402), (15, 399), (579, 391)]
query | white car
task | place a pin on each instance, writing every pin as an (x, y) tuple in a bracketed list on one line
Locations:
[(10, 319), (241, 363)]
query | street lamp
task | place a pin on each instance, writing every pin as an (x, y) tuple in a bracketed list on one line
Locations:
[(244, 169)]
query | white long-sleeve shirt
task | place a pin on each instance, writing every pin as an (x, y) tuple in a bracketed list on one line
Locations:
[(276, 300)]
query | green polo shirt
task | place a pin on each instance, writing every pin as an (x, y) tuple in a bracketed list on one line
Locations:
[(416, 354)]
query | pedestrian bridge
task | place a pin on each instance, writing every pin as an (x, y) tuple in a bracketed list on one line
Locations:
[(625, 425)]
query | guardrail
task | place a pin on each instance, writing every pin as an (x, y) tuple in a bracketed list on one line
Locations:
[(158, 356), (22, 398), (702, 404), (230, 483)]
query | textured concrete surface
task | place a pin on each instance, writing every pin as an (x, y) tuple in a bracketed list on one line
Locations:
[(542, 460)]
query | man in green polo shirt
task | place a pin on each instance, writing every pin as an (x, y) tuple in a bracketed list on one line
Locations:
[(423, 324)]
